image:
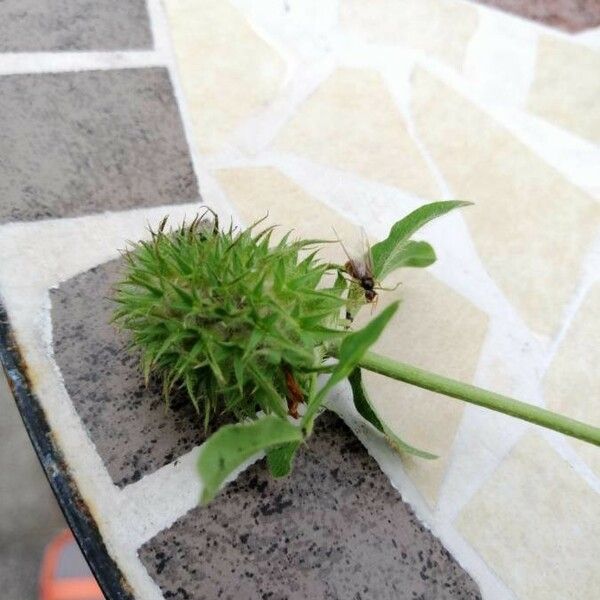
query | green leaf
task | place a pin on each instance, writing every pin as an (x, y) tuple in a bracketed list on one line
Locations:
[(367, 411), (186, 298), (232, 445), (415, 254), (388, 253), (361, 402), (340, 284), (352, 349), (238, 369), (272, 400), (281, 459)]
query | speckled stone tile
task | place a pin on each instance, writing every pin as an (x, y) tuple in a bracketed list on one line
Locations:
[(570, 15), (133, 431), (334, 529), (86, 142), (54, 25)]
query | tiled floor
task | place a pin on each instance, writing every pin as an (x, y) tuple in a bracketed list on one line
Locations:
[(321, 112)]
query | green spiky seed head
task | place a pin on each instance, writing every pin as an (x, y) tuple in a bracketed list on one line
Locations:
[(236, 321)]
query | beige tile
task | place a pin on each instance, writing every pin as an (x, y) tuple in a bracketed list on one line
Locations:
[(431, 319), (436, 329), (537, 525), (351, 122), (227, 71), (440, 28), (572, 384), (566, 88), (258, 191), (530, 225)]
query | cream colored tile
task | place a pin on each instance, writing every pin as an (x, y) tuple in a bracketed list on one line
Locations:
[(537, 525), (437, 329), (530, 226), (351, 122), (566, 88), (572, 385), (227, 71), (441, 28), (258, 191)]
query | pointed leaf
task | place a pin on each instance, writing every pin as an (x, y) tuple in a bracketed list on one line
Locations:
[(340, 284), (385, 252), (361, 402), (414, 254), (232, 445), (238, 369), (281, 459), (272, 399), (367, 411)]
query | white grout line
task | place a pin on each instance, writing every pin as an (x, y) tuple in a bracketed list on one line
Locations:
[(159, 28), (257, 133), (590, 275), (156, 501), (59, 62), (565, 449), (209, 188), (500, 59), (576, 158), (404, 102)]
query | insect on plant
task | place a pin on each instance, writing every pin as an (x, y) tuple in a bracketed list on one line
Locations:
[(359, 267)]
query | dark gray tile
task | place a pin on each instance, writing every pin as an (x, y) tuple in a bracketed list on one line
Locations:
[(53, 25), (86, 142), (133, 431), (334, 529), (570, 15)]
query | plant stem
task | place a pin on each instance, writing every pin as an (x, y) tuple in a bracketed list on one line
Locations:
[(475, 395)]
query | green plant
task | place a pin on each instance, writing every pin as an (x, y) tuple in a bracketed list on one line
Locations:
[(246, 326)]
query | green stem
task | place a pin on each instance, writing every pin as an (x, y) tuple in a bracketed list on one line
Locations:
[(475, 395)]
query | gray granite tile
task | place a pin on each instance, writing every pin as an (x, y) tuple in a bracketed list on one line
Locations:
[(86, 142), (570, 15), (334, 529), (54, 25), (129, 424)]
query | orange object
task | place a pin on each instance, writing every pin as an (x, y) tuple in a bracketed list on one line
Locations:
[(64, 574)]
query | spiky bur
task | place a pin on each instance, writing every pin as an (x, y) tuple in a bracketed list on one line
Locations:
[(238, 323)]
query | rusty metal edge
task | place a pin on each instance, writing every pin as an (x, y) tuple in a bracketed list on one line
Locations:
[(105, 570)]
